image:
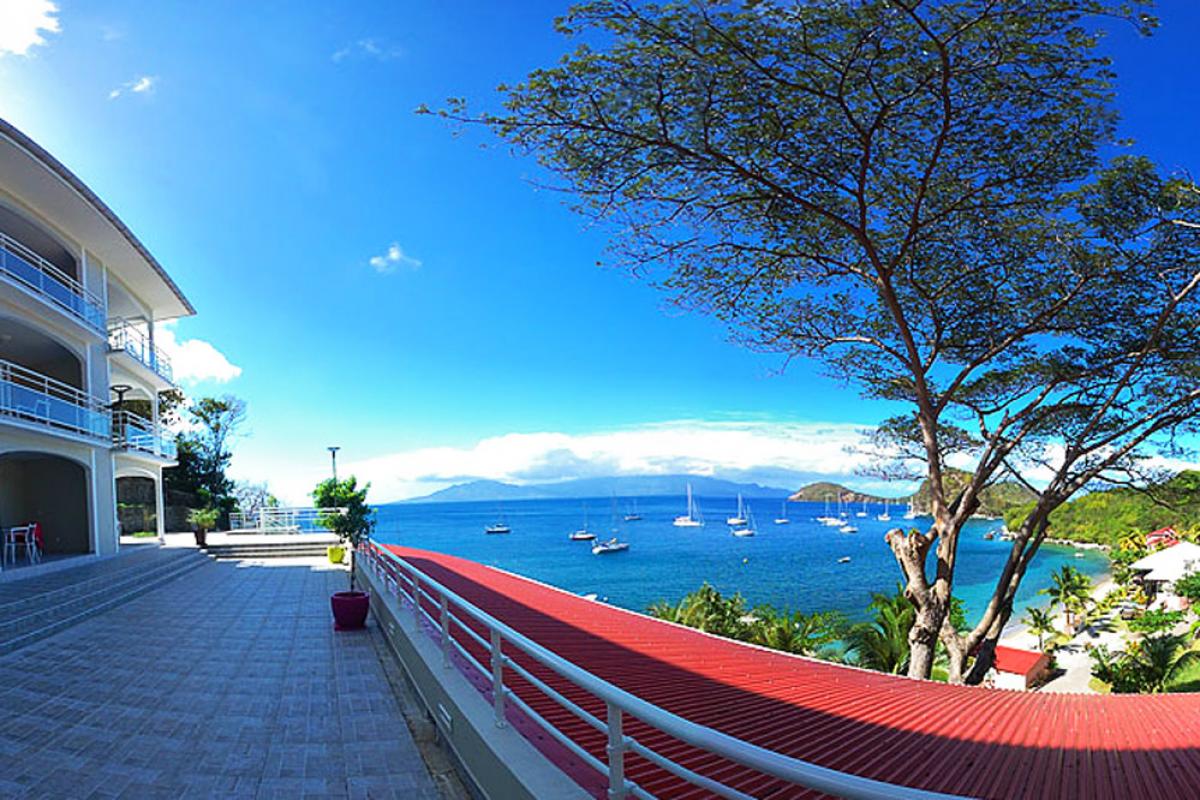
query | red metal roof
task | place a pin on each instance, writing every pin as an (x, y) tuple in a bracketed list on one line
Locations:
[(964, 740), (1015, 660)]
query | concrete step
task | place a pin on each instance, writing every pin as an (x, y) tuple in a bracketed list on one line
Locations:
[(271, 550), (61, 609)]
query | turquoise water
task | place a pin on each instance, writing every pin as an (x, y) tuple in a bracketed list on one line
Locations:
[(793, 566)]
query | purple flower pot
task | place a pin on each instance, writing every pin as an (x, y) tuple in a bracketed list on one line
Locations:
[(349, 610)]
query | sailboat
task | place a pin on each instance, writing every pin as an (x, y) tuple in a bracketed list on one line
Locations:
[(862, 513), (613, 545), (500, 525), (633, 515), (747, 528), (782, 519), (583, 534), (692, 519), (912, 509), (828, 519), (740, 518)]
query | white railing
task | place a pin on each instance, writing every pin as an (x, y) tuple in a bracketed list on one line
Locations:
[(138, 433), (275, 519), (26, 268), (127, 337), (618, 703), (34, 397)]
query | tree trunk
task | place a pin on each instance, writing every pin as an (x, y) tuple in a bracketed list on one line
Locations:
[(923, 636), (984, 659)]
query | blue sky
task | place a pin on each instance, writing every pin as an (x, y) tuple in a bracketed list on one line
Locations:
[(266, 156)]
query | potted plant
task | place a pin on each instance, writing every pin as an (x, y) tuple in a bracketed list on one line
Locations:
[(347, 514), (202, 520)]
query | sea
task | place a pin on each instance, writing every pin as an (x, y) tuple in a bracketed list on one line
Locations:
[(797, 565)]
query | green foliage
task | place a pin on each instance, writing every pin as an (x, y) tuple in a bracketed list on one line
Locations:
[(1160, 663), (1156, 621), (356, 520), (1189, 586), (205, 519), (1041, 624), (1070, 589), (143, 534), (793, 632), (204, 454), (1109, 517), (882, 644)]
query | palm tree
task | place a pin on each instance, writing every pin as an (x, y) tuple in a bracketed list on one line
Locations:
[(1162, 661), (882, 644), (799, 633), (1069, 588), (1041, 623)]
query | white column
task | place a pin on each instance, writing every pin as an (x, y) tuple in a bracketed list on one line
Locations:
[(160, 522)]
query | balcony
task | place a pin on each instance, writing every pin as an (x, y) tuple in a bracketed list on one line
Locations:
[(42, 402), (25, 268), (125, 337), (138, 434)]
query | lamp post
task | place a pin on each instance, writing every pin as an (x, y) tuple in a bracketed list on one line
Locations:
[(333, 460)]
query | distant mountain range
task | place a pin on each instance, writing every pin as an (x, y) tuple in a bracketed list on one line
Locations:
[(621, 486)]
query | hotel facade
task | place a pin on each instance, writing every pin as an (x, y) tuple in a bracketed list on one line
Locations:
[(80, 371)]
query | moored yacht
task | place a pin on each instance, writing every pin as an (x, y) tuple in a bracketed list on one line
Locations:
[(692, 518), (613, 545)]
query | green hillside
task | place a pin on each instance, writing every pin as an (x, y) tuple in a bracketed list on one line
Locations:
[(816, 492), (1104, 517), (994, 501)]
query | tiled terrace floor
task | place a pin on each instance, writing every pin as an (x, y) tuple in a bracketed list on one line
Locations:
[(228, 682)]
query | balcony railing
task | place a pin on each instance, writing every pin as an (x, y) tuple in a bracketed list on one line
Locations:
[(26, 268), (125, 336), (36, 398), (137, 433)]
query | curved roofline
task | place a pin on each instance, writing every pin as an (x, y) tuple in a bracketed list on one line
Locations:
[(10, 131)]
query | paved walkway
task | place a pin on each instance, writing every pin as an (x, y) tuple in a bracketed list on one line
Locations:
[(227, 682)]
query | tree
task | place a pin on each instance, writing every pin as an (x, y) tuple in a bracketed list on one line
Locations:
[(1070, 589), (1158, 663), (1156, 621), (796, 632), (251, 497), (346, 512), (882, 644), (708, 610), (909, 192), (1188, 587), (1041, 624), (203, 451)]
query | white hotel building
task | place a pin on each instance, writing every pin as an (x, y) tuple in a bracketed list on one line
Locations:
[(80, 297)]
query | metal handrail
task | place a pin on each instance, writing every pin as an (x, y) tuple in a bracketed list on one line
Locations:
[(125, 336), (295, 519), (138, 433), (35, 397), (619, 702), (35, 273)]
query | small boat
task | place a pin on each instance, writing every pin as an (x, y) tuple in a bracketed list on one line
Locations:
[(633, 515), (827, 518), (1079, 555), (848, 528), (692, 518), (862, 513), (740, 517), (748, 528), (611, 546), (498, 527), (782, 519), (844, 560), (583, 534), (989, 536), (912, 510), (885, 516)]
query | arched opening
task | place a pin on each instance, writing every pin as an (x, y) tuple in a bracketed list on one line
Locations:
[(32, 349), (35, 239), (52, 491), (136, 505)]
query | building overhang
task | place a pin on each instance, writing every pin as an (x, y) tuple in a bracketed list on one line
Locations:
[(41, 181)]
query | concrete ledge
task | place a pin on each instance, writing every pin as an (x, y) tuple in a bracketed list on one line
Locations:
[(499, 763)]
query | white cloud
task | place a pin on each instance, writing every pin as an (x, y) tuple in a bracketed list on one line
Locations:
[(143, 85), (778, 454), (393, 259), (22, 23), (371, 48), (194, 360)]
